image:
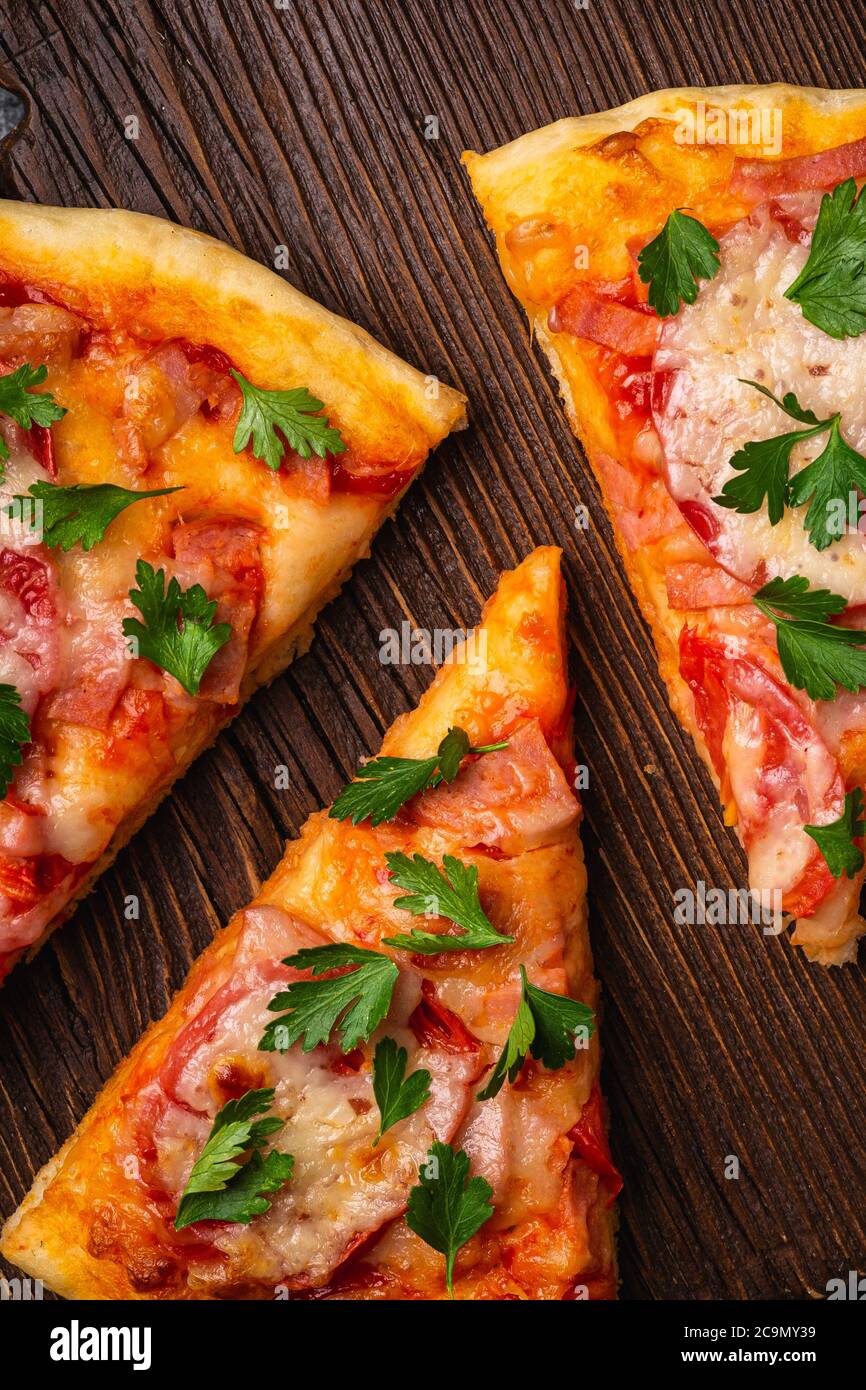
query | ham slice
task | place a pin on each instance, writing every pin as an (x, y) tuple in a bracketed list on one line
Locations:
[(99, 659), (757, 179), (511, 800), (772, 763), (30, 625), (38, 333), (328, 1209), (588, 313), (163, 390), (692, 586), (222, 555)]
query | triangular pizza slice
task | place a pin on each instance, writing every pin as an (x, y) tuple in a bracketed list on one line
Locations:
[(193, 455), (693, 266), (381, 1079)]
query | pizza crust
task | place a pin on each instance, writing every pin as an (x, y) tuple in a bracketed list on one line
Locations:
[(155, 278), (490, 173)]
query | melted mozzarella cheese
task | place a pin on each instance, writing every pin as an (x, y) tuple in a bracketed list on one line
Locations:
[(742, 326), (342, 1188)]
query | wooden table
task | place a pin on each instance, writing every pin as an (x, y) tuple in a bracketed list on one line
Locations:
[(304, 127)]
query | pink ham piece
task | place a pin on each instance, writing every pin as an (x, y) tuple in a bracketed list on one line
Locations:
[(757, 179), (38, 333), (329, 1209), (771, 761), (164, 389), (30, 626), (222, 555), (587, 312), (99, 659), (511, 800), (693, 586)]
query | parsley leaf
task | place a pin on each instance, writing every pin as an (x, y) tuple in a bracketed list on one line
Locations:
[(268, 417), (545, 1025), (836, 839), (221, 1189), (763, 464), (795, 599), (673, 262), (827, 480), (397, 1095), (448, 1207), (384, 785), (434, 893), (816, 655), (788, 403), (353, 1003), (14, 734), (81, 514), (178, 633), (26, 408), (831, 287), (830, 478)]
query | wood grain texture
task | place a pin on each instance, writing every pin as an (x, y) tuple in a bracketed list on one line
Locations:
[(303, 127)]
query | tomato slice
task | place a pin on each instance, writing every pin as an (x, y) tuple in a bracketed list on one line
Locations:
[(772, 763), (590, 1143)]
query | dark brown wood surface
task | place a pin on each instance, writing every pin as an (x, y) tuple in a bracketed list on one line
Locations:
[(303, 125)]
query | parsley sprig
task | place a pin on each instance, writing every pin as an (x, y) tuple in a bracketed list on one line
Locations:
[(448, 1207), (14, 735), (220, 1188), (836, 840), (816, 655), (546, 1026), (764, 464), (397, 1095), (351, 1004), (384, 785), (270, 417), (683, 253), (451, 892), (25, 406), (831, 287), (178, 633), (81, 514)]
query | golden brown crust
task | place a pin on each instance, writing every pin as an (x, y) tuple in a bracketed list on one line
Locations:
[(156, 279)]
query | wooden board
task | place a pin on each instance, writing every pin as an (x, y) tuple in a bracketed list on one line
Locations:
[(303, 127)]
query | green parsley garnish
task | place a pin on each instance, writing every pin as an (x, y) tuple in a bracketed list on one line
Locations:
[(836, 839), (448, 1207), (545, 1025), (269, 417), (434, 893), (831, 287), (220, 1188), (351, 1004), (673, 262), (816, 655), (764, 466), (178, 633), (397, 1095), (25, 407), (14, 734), (384, 785), (81, 514)]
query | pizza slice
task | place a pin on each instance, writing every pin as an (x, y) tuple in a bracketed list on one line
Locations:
[(192, 457), (694, 266), (381, 1079)]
